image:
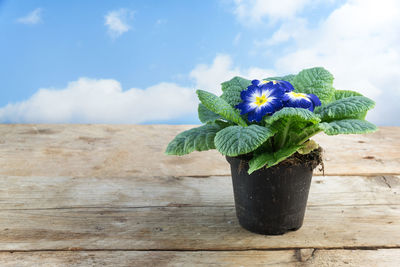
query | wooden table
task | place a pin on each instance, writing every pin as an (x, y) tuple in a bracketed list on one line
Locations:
[(95, 195)]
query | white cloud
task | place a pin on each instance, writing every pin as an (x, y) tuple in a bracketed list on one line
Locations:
[(117, 22), (359, 43), (33, 17), (293, 28), (103, 101), (209, 77), (250, 12)]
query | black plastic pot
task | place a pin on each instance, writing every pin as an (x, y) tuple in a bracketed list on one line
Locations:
[(270, 201)]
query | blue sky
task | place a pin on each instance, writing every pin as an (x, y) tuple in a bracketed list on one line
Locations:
[(141, 61)]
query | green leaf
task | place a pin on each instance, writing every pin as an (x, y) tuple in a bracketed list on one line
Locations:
[(316, 81), (288, 78), (232, 88), (236, 140), (349, 126), (283, 154), (307, 147), (220, 106), (346, 108), (200, 139), (297, 114), (206, 115), (260, 160), (308, 132), (339, 94), (271, 159), (290, 123), (235, 82)]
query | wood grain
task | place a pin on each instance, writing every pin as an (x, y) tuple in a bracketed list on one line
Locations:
[(192, 228), (286, 258), (126, 150), (68, 192)]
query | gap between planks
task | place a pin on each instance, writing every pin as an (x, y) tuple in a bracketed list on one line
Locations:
[(180, 206), (367, 174), (77, 249)]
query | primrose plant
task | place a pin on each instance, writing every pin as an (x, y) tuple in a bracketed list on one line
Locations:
[(271, 119)]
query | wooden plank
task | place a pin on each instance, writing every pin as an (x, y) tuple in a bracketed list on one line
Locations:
[(318, 258), (380, 257), (367, 154), (68, 192), (192, 228), (126, 150)]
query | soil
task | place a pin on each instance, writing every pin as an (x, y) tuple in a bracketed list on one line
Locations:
[(312, 160)]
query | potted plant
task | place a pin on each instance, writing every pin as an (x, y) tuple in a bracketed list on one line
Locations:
[(263, 127)]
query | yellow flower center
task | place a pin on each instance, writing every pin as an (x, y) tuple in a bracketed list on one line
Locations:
[(298, 95), (261, 100)]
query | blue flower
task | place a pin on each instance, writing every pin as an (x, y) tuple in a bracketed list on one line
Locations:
[(300, 100), (259, 99), (284, 85)]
